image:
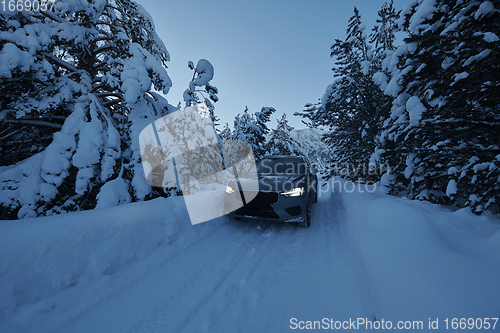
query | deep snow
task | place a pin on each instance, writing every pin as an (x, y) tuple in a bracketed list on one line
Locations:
[(144, 267)]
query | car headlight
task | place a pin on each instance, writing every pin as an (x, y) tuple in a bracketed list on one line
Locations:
[(298, 191), (229, 189)]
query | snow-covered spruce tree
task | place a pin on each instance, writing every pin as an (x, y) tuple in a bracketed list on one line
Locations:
[(226, 132), (240, 133), (281, 143), (353, 106), (442, 137), (241, 124), (84, 73), (383, 34), (258, 131), (252, 128)]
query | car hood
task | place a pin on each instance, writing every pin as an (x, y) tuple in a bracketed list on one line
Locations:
[(274, 183)]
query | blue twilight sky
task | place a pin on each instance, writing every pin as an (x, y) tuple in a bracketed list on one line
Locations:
[(265, 53)]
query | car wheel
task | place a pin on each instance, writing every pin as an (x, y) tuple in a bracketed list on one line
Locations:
[(307, 219)]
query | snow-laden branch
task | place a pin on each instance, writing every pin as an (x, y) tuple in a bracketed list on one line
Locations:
[(35, 123), (11, 133), (103, 48), (59, 62), (110, 94), (52, 16)]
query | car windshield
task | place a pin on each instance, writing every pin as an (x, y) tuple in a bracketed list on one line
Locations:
[(281, 166)]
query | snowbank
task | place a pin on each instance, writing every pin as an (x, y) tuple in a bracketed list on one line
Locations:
[(424, 261), (43, 257)]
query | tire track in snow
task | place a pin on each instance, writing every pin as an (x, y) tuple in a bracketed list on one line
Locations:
[(291, 264), (320, 283), (139, 296), (268, 287), (156, 259), (329, 282), (231, 297), (175, 308), (234, 288), (312, 253), (351, 234)]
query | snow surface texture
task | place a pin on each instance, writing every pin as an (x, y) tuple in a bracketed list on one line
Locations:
[(143, 267)]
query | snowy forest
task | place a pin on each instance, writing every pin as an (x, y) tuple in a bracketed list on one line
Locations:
[(105, 180), (80, 82), (423, 114)]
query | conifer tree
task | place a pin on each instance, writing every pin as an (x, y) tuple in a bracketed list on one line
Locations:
[(241, 124), (258, 131), (441, 140), (281, 143), (226, 132), (76, 85), (353, 106), (383, 36), (252, 128)]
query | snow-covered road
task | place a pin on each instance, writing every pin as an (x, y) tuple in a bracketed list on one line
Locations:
[(244, 276), (366, 255)]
